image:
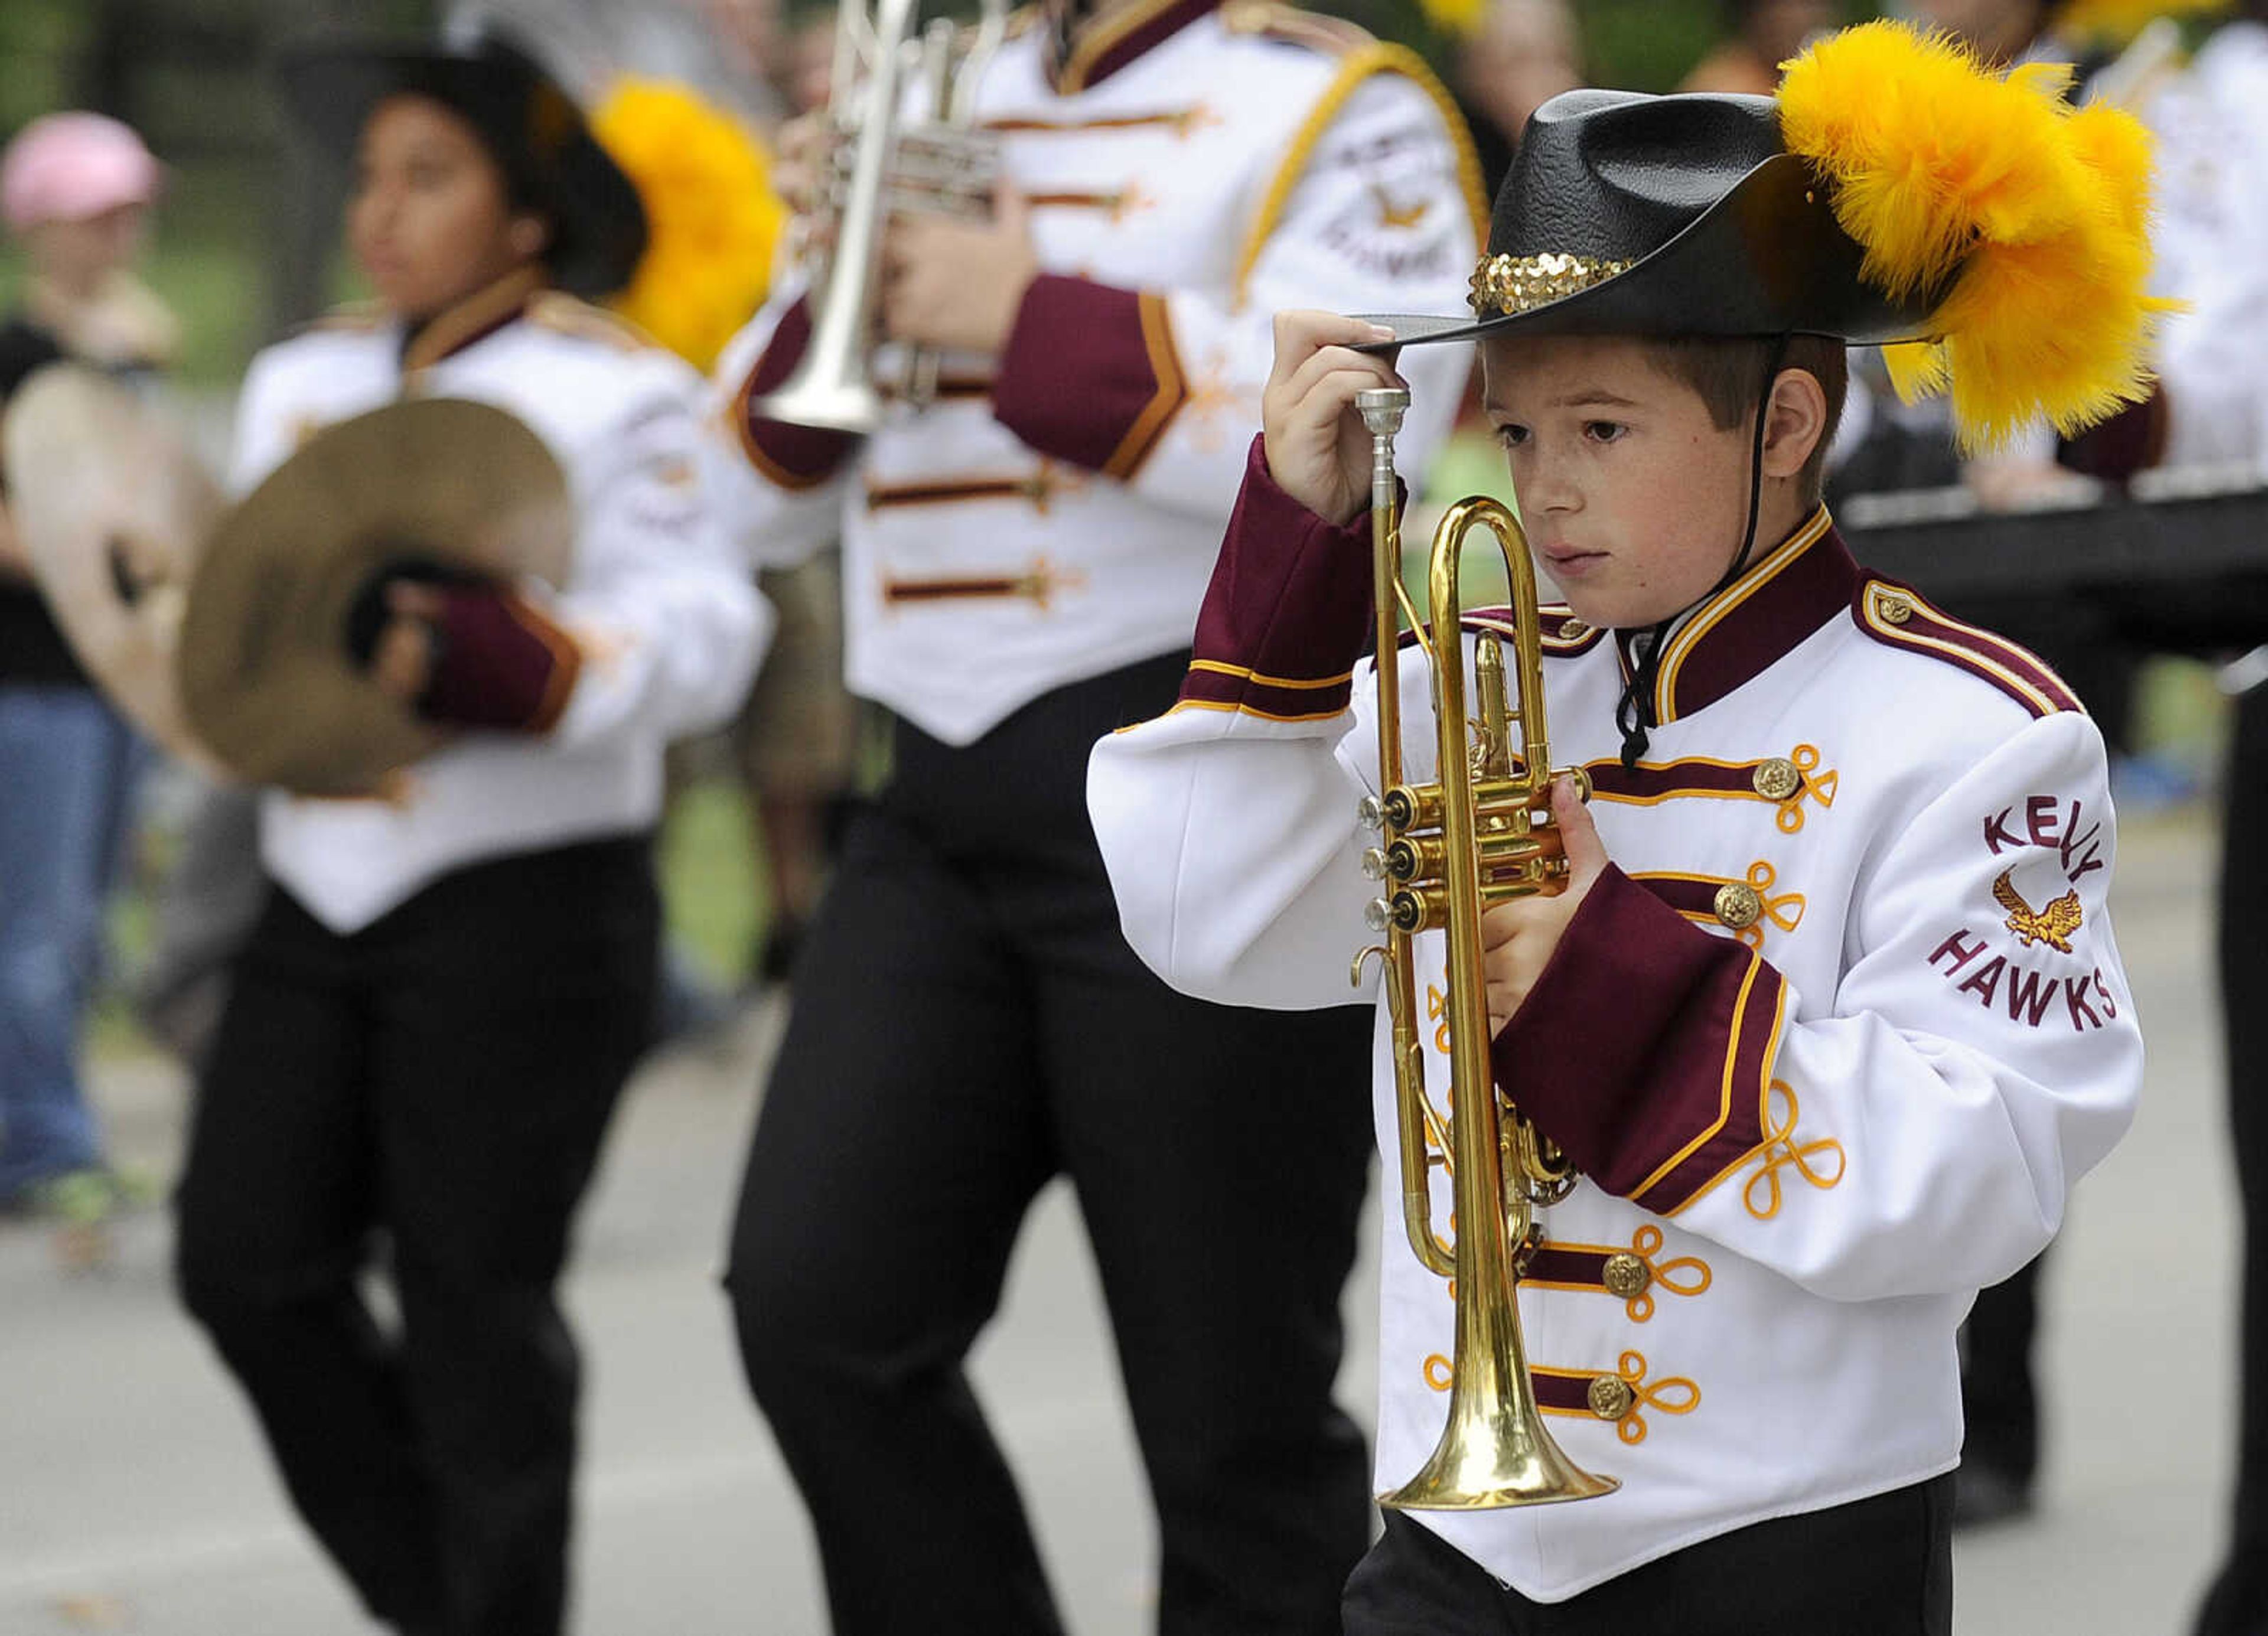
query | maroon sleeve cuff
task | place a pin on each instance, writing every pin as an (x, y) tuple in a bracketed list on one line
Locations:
[(1089, 374), (1288, 609), (500, 663), (1645, 1051), (2132, 440), (793, 457)]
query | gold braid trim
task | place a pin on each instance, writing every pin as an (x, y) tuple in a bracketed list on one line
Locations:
[(1377, 58)]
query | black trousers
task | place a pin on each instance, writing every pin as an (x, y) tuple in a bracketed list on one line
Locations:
[(969, 1022), (442, 1079), (1881, 1567), (2238, 1605)]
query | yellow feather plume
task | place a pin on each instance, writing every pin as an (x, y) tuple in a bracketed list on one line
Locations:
[(2037, 213), (712, 216)]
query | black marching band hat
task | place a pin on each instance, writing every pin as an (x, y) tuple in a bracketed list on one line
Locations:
[(531, 125), (1894, 191)]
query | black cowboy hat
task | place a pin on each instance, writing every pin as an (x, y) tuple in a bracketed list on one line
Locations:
[(1625, 214), (551, 161)]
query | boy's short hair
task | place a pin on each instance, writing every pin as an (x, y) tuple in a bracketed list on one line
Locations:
[(1728, 374)]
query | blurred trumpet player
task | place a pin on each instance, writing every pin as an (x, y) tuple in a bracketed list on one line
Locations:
[(1051, 440)]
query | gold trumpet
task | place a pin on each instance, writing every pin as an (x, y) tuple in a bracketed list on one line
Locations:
[(1481, 835)]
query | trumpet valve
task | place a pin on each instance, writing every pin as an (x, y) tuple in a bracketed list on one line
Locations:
[(1374, 866)]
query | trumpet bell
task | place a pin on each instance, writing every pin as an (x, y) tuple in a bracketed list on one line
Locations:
[(1495, 1454), (846, 404)]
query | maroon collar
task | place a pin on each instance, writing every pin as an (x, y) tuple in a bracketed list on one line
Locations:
[(1740, 631), (476, 318), (1098, 48)]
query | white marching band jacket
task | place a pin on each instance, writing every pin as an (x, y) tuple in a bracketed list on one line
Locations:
[(1831, 1041), (1191, 171), (2210, 236), (667, 626)]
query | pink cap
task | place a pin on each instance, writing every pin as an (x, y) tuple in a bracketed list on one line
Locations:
[(65, 167)]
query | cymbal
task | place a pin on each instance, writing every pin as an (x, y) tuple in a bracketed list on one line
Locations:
[(266, 676), (110, 505)]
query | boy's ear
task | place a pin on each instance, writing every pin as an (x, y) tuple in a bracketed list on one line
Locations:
[(1795, 422)]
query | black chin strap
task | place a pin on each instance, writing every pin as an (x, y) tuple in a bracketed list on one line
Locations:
[(1634, 710)]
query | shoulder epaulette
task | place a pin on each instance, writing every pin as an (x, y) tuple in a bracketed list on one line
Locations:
[(1898, 616), (1357, 57), (1271, 19), (568, 315), (353, 318)]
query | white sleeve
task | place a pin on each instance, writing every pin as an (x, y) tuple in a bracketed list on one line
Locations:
[(1921, 1134), (668, 621), (773, 523), (262, 437)]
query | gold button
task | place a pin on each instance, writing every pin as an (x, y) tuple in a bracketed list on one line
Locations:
[(1573, 631), (1611, 1396), (1896, 609), (1777, 778), (1738, 905), (1624, 1275)]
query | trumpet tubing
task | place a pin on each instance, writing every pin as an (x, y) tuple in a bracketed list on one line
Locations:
[(1480, 834)]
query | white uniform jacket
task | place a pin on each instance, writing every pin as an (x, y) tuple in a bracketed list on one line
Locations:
[(1829, 1040), (1192, 170), (667, 625), (2211, 236)]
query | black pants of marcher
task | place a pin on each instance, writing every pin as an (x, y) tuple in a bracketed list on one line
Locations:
[(440, 1082), (1876, 1567), (967, 1023), (2238, 1602)]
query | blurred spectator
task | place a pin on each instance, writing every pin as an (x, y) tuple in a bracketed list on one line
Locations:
[(1762, 34), (1524, 52), (75, 189)]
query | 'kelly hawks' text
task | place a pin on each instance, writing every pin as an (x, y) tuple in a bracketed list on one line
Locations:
[(1966, 959)]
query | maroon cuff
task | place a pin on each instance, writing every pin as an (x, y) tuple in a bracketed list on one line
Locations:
[(2132, 440), (501, 664), (1288, 609), (793, 457), (1645, 1050), (1089, 374)]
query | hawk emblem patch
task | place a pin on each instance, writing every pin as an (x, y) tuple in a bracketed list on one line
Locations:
[(2052, 925)]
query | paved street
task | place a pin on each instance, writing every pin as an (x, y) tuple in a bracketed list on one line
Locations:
[(133, 1497)]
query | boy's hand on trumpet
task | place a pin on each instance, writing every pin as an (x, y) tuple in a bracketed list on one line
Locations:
[(1318, 448), (1519, 939)]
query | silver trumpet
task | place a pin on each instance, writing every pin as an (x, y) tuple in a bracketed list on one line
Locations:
[(895, 153)]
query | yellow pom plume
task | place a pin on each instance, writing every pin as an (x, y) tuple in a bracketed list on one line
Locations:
[(2037, 212), (712, 216)]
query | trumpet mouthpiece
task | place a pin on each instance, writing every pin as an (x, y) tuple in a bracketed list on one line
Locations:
[(1381, 408)]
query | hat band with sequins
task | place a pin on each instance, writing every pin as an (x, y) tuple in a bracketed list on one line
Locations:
[(1520, 284)]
